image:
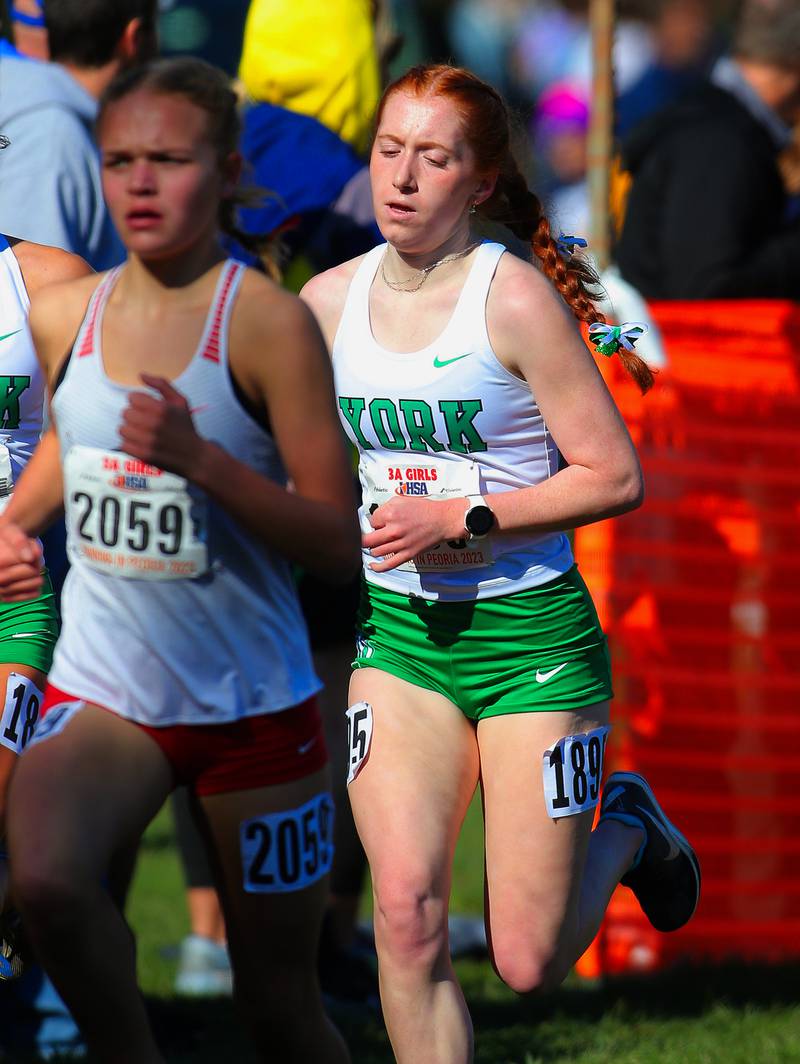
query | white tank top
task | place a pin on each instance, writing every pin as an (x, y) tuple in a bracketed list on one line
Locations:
[(22, 387), (140, 634), (447, 420)]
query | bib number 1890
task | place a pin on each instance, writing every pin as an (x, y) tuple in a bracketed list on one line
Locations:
[(572, 771), (20, 712)]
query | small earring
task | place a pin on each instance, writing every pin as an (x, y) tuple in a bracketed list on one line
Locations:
[(473, 209)]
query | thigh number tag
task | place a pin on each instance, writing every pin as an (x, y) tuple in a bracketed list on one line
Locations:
[(20, 712), (572, 771), (288, 851), (56, 720), (359, 737)]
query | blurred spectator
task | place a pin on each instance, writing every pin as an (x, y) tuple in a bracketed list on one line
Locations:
[(417, 36), (482, 37), (51, 178), (306, 123), (790, 164), (686, 44), (707, 210), (26, 26), (560, 126), (316, 58), (555, 45), (211, 29), (308, 169)]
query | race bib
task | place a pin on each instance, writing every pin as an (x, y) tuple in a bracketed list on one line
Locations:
[(382, 481), (572, 771), (20, 712), (359, 737), (130, 519), (287, 851), (56, 720)]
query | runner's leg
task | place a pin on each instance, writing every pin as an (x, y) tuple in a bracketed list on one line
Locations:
[(77, 799), (273, 936), (18, 721), (548, 881), (409, 801)]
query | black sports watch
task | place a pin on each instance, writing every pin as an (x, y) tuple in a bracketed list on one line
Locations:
[(479, 520)]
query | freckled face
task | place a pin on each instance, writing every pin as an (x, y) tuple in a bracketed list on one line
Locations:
[(422, 171), (161, 176)]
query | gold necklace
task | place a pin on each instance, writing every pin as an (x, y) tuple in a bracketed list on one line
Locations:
[(397, 286)]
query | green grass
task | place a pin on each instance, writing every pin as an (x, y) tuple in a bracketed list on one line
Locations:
[(735, 1014)]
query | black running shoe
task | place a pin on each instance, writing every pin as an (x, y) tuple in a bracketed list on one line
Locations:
[(666, 880), (348, 979), (13, 947), (347, 976)]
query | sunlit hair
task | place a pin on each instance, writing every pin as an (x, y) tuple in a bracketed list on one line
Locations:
[(486, 128), (208, 88)]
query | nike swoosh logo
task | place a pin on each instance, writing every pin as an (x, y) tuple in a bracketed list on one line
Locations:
[(612, 797), (674, 850), (305, 747), (440, 363), (543, 677), (14, 333)]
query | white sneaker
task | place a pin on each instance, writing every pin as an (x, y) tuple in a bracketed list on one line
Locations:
[(204, 969), (467, 936)]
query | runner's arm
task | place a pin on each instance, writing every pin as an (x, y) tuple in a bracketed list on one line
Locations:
[(38, 497), (536, 336), (281, 363)]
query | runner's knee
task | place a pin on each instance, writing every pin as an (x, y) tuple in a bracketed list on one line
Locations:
[(527, 966), (47, 894), (411, 917)]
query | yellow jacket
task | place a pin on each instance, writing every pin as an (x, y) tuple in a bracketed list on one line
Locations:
[(316, 57)]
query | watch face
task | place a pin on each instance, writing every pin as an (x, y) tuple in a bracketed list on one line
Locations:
[(479, 521)]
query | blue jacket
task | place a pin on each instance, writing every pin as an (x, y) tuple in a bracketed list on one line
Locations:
[(307, 171), (50, 189)]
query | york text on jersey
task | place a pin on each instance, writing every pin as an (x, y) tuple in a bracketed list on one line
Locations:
[(11, 388), (409, 424)]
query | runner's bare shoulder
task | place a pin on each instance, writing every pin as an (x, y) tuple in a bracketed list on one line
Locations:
[(42, 265), (271, 329), (326, 294), (57, 310)]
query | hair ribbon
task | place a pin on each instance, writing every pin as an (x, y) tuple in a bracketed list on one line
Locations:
[(608, 339), (567, 244)]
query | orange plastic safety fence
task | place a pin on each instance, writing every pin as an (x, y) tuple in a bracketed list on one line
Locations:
[(699, 592)]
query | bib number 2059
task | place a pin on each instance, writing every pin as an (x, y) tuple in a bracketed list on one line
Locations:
[(290, 850), (572, 771), (131, 519)]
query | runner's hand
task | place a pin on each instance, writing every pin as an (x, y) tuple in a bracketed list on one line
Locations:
[(160, 430), (21, 564), (404, 526)]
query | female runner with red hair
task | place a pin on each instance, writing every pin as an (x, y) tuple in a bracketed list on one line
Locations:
[(461, 377)]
